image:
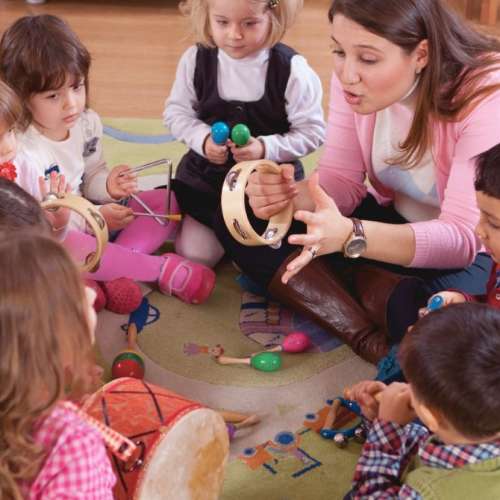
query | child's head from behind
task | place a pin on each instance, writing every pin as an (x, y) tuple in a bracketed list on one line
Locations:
[(46, 328), (451, 359), (240, 27), (43, 59), (19, 210), (10, 117), (487, 186)]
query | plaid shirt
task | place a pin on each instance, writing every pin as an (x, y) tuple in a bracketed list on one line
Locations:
[(390, 448), (76, 466)]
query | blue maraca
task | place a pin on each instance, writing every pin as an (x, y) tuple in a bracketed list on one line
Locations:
[(220, 132), (435, 303)]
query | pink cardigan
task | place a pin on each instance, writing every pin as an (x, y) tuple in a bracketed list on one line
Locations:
[(446, 242)]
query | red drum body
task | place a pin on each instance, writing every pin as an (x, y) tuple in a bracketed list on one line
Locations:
[(182, 446)]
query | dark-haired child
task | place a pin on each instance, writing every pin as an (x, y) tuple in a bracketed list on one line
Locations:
[(451, 360), (487, 185)]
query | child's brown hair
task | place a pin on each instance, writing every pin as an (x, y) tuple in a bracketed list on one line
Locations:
[(38, 53), (451, 359), (45, 339)]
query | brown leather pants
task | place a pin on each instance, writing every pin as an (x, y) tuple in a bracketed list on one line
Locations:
[(318, 293)]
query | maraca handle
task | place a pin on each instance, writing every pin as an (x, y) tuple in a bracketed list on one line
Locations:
[(225, 360), (276, 348), (332, 414), (132, 337)]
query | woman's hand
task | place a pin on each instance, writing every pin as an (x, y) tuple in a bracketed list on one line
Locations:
[(448, 298), (269, 193), (365, 394), (57, 185), (116, 216), (327, 229), (252, 150), (395, 404), (121, 182), (215, 153)]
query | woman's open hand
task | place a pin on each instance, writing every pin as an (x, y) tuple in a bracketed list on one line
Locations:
[(327, 229)]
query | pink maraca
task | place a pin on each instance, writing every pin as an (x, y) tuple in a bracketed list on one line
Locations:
[(294, 342)]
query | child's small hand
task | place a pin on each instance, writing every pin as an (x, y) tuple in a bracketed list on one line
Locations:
[(116, 216), (253, 150), (364, 394), (395, 404), (215, 153), (57, 185), (448, 298), (121, 182)]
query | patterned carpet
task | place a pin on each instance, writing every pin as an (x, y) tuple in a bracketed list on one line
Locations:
[(280, 458)]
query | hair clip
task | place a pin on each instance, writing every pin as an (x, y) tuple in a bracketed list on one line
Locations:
[(273, 3)]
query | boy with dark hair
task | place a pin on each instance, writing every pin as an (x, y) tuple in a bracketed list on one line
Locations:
[(487, 186), (451, 360)]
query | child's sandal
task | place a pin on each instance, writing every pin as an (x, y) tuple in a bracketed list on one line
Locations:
[(196, 284)]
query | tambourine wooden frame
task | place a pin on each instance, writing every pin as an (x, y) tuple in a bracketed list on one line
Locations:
[(92, 217), (234, 211)]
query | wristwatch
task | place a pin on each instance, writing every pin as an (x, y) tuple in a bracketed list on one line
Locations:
[(356, 244)]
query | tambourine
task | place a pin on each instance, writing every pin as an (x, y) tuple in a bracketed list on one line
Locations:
[(92, 217), (234, 211)]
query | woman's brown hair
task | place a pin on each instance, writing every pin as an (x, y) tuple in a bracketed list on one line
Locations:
[(38, 53), (11, 110), (459, 60), (44, 341)]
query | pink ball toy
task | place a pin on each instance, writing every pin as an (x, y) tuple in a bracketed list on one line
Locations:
[(296, 342)]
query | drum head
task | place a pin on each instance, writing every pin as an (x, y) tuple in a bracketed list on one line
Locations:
[(188, 462)]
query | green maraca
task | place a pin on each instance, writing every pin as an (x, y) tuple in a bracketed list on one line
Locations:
[(262, 361), (240, 134)]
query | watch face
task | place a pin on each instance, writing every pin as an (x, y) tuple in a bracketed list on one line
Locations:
[(355, 247)]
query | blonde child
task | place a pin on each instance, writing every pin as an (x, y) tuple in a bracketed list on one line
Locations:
[(238, 72), (47, 96), (47, 327)]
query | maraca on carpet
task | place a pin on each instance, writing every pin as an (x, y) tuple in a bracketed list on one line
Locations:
[(282, 457)]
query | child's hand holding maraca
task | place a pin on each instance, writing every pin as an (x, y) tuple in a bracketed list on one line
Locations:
[(215, 153), (441, 299), (121, 182), (252, 150)]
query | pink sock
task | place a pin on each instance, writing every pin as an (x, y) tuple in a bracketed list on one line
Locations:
[(145, 234)]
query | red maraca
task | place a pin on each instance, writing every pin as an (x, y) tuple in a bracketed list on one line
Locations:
[(128, 363), (294, 342)]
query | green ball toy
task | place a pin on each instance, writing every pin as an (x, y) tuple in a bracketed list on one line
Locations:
[(266, 361), (240, 134)]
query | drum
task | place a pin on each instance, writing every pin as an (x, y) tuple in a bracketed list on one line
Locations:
[(182, 446)]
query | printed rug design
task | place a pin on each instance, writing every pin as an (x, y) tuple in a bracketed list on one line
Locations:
[(294, 462)]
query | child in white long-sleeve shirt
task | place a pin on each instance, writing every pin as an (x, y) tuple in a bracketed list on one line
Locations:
[(237, 73)]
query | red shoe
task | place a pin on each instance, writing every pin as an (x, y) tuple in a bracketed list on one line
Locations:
[(198, 280)]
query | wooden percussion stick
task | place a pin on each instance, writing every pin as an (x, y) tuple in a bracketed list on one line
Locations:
[(232, 416), (175, 217), (248, 422), (332, 414), (376, 396)]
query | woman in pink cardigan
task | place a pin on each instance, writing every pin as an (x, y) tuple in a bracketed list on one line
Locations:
[(415, 97)]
